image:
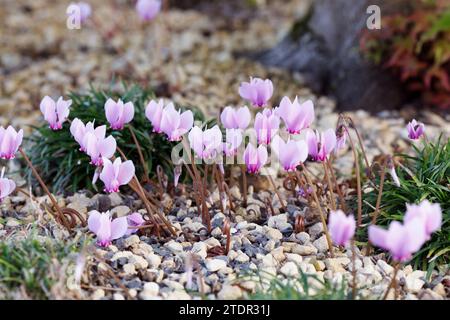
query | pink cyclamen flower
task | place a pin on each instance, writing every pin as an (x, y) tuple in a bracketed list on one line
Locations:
[(342, 227), (118, 113), (401, 240), (79, 131), (257, 91), (232, 118), (10, 141), (7, 186), (148, 9), (206, 144), (415, 129), (134, 220), (266, 125), (175, 124), (99, 148), (430, 213), (291, 153), (84, 9), (233, 139), (154, 112), (55, 113), (105, 228), (296, 116), (116, 174), (255, 158), (320, 145)]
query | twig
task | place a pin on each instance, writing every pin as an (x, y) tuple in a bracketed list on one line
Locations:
[(358, 179), (330, 187), (393, 283), (141, 155)]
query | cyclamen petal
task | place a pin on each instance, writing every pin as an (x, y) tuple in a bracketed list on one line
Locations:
[(296, 116), (291, 153), (7, 186), (206, 144), (10, 141), (134, 220), (118, 114), (99, 148), (255, 158), (430, 213), (154, 113), (106, 229), (148, 9), (233, 139), (175, 124), (320, 145), (116, 174), (342, 227), (257, 91), (235, 118), (415, 129), (266, 126), (55, 113)]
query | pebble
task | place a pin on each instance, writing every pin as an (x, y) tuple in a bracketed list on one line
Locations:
[(289, 269), (334, 265), (303, 237), (200, 248), (120, 211), (242, 257), (138, 262), (118, 296), (230, 292), (11, 222), (129, 269), (274, 234), (131, 241), (174, 246), (385, 267), (414, 281), (321, 244), (153, 260), (150, 290), (304, 250), (297, 259), (316, 230), (214, 265), (98, 294)]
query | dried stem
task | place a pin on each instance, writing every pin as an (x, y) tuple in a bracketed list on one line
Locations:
[(277, 192), (360, 143), (354, 288), (244, 185), (338, 189), (358, 179), (44, 187), (322, 215), (330, 187), (393, 283), (141, 155)]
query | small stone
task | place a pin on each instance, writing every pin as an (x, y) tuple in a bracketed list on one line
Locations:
[(216, 232), (242, 257), (178, 295), (98, 294), (116, 199), (303, 237), (414, 281), (129, 269), (334, 265), (131, 240), (297, 259), (384, 267), (118, 296), (429, 294), (214, 265), (316, 230), (138, 262), (174, 246), (150, 291), (274, 234), (153, 260), (440, 290), (321, 244), (290, 269), (120, 211), (200, 249), (278, 254), (11, 222), (212, 242), (229, 292), (276, 221), (304, 250)]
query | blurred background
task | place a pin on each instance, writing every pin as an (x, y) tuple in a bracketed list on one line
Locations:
[(196, 52)]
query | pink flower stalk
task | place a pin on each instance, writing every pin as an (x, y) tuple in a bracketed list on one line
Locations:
[(79, 131), (266, 125), (106, 229), (320, 145), (10, 141), (342, 227), (85, 10), (206, 144), (116, 174), (235, 118), (175, 124), (415, 129), (7, 186), (430, 213), (154, 112), (401, 240), (233, 139), (148, 9), (55, 113), (257, 91), (296, 116), (291, 153), (134, 220), (254, 158), (118, 113), (99, 148)]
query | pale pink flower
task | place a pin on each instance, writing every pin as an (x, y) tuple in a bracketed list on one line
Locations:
[(430, 213), (342, 227), (154, 112), (232, 118), (118, 113), (255, 158), (148, 9), (99, 148), (175, 124), (106, 229), (134, 220), (55, 113), (296, 116), (415, 129), (79, 131), (116, 174), (257, 91), (10, 141), (320, 145), (233, 139), (291, 153), (7, 186), (401, 240), (206, 144), (266, 126)]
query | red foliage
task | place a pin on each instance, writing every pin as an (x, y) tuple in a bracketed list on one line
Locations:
[(416, 47)]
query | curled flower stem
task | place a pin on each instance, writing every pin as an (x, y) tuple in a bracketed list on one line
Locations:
[(338, 189), (330, 187), (354, 288), (322, 215), (352, 124), (141, 155), (62, 217), (358, 179), (277, 192), (393, 283), (244, 185)]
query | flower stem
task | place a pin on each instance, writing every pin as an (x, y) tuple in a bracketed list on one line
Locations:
[(338, 189), (141, 155), (322, 215), (330, 187), (62, 217), (358, 178), (276, 192), (393, 283), (354, 288), (244, 186)]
